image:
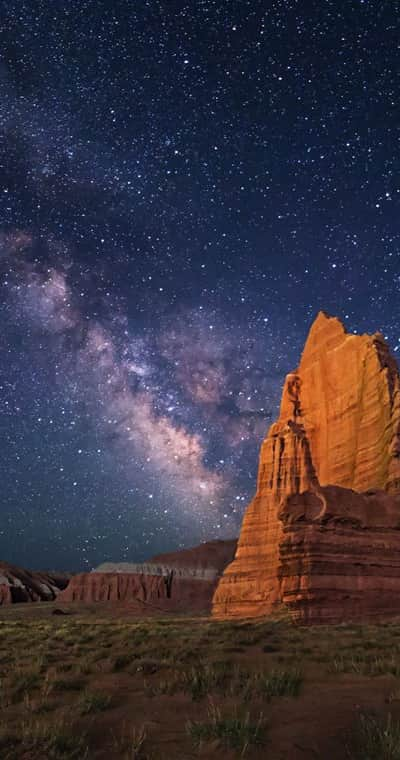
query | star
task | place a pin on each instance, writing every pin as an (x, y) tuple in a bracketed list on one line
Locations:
[(180, 196)]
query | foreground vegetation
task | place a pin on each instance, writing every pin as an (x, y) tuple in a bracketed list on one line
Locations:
[(90, 686)]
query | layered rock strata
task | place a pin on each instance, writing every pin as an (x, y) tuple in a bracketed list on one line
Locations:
[(177, 581), (166, 591), (148, 568), (210, 554), (339, 424), (339, 557), (19, 585)]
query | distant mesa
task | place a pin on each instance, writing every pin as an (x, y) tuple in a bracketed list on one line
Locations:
[(322, 534), (210, 554), (206, 561), (178, 581)]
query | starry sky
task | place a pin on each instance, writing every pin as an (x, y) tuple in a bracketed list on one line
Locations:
[(183, 185)]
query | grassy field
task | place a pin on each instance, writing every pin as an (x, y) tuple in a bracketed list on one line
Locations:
[(102, 683)]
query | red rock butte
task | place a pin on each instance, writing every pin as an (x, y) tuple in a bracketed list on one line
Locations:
[(322, 534)]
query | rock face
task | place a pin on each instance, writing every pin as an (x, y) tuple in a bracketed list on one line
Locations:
[(339, 425), (19, 585), (211, 554), (172, 592), (178, 581), (149, 568), (339, 558)]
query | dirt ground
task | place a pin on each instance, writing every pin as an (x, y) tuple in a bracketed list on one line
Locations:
[(110, 681)]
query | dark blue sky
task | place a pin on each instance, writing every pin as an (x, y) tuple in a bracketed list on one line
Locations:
[(182, 187)]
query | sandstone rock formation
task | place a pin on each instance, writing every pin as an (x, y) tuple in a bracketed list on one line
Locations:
[(302, 542), (172, 592), (210, 554), (149, 568), (177, 581), (19, 585), (339, 558)]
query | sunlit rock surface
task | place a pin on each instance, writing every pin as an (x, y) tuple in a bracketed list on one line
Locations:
[(339, 425)]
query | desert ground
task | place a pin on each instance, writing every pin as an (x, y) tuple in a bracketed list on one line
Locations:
[(108, 681)]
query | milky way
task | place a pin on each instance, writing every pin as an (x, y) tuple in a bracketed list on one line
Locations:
[(183, 187)]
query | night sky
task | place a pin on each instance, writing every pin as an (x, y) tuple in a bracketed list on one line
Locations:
[(183, 185)]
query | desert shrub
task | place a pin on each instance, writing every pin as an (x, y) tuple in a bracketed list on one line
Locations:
[(365, 664), (234, 731), (121, 661), (224, 678), (204, 679), (136, 744), (278, 683), (275, 683), (32, 739), (92, 702), (23, 682), (133, 746), (375, 739)]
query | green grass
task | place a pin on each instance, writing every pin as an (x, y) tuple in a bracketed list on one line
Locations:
[(81, 667), (197, 681), (133, 746), (204, 679), (278, 683), (22, 683), (121, 662), (363, 663), (69, 684), (136, 744), (233, 731), (92, 702), (37, 741), (375, 739), (226, 678)]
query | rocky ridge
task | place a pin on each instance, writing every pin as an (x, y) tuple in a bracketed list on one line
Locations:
[(176, 581), (19, 585)]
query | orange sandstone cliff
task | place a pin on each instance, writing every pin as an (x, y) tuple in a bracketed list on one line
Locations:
[(312, 537)]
